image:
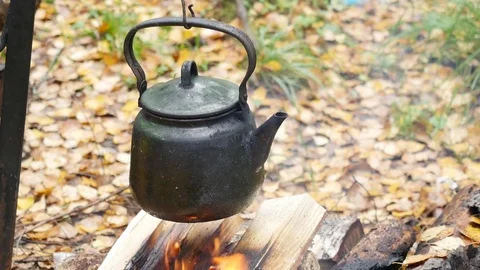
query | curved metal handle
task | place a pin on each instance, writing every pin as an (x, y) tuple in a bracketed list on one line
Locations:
[(197, 22)]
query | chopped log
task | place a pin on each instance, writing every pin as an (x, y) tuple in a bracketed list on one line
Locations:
[(281, 233), (463, 258), (386, 244), (185, 246), (137, 232), (277, 238), (336, 237), (455, 216), (310, 262), (457, 212)]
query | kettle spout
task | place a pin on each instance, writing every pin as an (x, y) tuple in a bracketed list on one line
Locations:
[(263, 137)]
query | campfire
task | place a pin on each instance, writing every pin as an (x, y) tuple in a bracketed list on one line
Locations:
[(270, 240), (208, 258)]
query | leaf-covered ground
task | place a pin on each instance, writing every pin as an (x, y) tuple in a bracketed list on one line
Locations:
[(346, 141)]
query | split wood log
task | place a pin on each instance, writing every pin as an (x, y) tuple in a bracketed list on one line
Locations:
[(131, 240), (310, 262), (336, 237), (185, 246), (386, 244), (281, 233), (458, 211), (277, 238)]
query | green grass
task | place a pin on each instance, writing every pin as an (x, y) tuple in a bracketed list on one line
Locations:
[(454, 29), (285, 64)]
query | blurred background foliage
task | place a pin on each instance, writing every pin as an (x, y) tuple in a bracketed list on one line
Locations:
[(293, 39)]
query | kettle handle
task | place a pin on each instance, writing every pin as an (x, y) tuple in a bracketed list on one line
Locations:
[(197, 22)]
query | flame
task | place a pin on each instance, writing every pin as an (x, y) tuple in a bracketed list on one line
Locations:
[(209, 257), (235, 261), (171, 253)]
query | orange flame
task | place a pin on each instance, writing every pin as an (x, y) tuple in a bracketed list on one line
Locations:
[(209, 257), (235, 261), (171, 253)]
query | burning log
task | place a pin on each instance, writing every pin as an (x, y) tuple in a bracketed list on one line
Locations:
[(277, 238), (185, 246), (138, 231), (281, 233), (382, 247), (336, 237)]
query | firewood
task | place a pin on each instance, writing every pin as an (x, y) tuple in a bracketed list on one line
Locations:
[(277, 238), (463, 258), (137, 232), (456, 214), (434, 249), (281, 233), (185, 244), (386, 244), (336, 237), (310, 262)]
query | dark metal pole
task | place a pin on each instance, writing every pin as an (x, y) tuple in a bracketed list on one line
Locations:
[(17, 70)]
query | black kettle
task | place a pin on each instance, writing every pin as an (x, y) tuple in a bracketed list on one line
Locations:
[(197, 154)]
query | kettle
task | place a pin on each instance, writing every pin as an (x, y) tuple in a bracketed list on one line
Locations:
[(196, 153)]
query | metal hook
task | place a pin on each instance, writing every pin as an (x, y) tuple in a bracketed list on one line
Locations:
[(190, 8)]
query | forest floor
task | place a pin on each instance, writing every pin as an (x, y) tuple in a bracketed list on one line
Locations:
[(342, 142)]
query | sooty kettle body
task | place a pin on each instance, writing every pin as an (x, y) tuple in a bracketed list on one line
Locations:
[(197, 154)]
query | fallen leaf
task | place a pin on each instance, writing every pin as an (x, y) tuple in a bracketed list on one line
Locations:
[(432, 233), (475, 219), (449, 244), (25, 203), (273, 66), (472, 231), (289, 174), (87, 192), (414, 259), (66, 230)]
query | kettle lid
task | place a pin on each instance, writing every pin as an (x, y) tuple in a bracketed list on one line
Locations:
[(190, 96)]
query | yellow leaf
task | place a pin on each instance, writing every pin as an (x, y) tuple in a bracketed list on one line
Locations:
[(110, 59), (475, 219), (259, 94), (188, 34), (473, 232), (418, 210), (103, 46), (183, 55), (413, 259), (25, 203), (399, 214), (273, 66), (103, 28), (96, 103), (432, 233), (130, 106), (89, 182)]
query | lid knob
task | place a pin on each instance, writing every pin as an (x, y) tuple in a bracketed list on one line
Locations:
[(189, 71)]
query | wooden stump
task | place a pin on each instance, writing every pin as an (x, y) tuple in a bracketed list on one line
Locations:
[(336, 237), (386, 244)]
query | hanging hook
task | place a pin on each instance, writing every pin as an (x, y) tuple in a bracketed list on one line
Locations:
[(184, 9)]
